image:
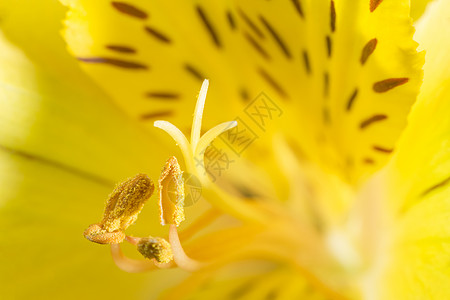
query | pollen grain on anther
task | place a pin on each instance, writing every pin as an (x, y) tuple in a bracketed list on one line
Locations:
[(121, 210), (171, 191), (155, 248)]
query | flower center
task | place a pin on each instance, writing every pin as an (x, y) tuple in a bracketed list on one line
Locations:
[(267, 230)]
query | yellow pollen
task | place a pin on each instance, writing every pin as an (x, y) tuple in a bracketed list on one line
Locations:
[(122, 209), (155, 248), (171, 197), (95, 233)]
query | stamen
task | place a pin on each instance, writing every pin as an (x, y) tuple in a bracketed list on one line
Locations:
[(122, 209), (132, 240), (95, 233), (126, 202), (133, 265), (155, 248), (171, 189), (179, 256)]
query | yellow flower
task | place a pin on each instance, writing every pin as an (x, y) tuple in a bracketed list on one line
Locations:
[(337, 189)]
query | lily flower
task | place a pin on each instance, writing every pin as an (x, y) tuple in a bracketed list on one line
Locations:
[(314, 163)]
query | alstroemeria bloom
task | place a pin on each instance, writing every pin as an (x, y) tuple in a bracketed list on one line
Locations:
[(339, 190)]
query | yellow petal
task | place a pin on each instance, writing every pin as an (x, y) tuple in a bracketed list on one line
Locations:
[(76, 126), (62, 148), (35, 26), (418, 8), (249, 279), (422, 160), (374, 79), (418, 180), (345, 77)]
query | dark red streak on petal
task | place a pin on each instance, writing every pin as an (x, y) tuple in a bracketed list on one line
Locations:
[(114, 62), (388, 84), (376, 118), (130, 10)]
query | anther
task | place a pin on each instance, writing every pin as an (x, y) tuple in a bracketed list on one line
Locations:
[(171, 189), (95, 233), (122, 209), (155, 248)]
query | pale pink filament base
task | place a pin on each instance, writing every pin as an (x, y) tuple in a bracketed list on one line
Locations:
[(132, 240), (179, 256)]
